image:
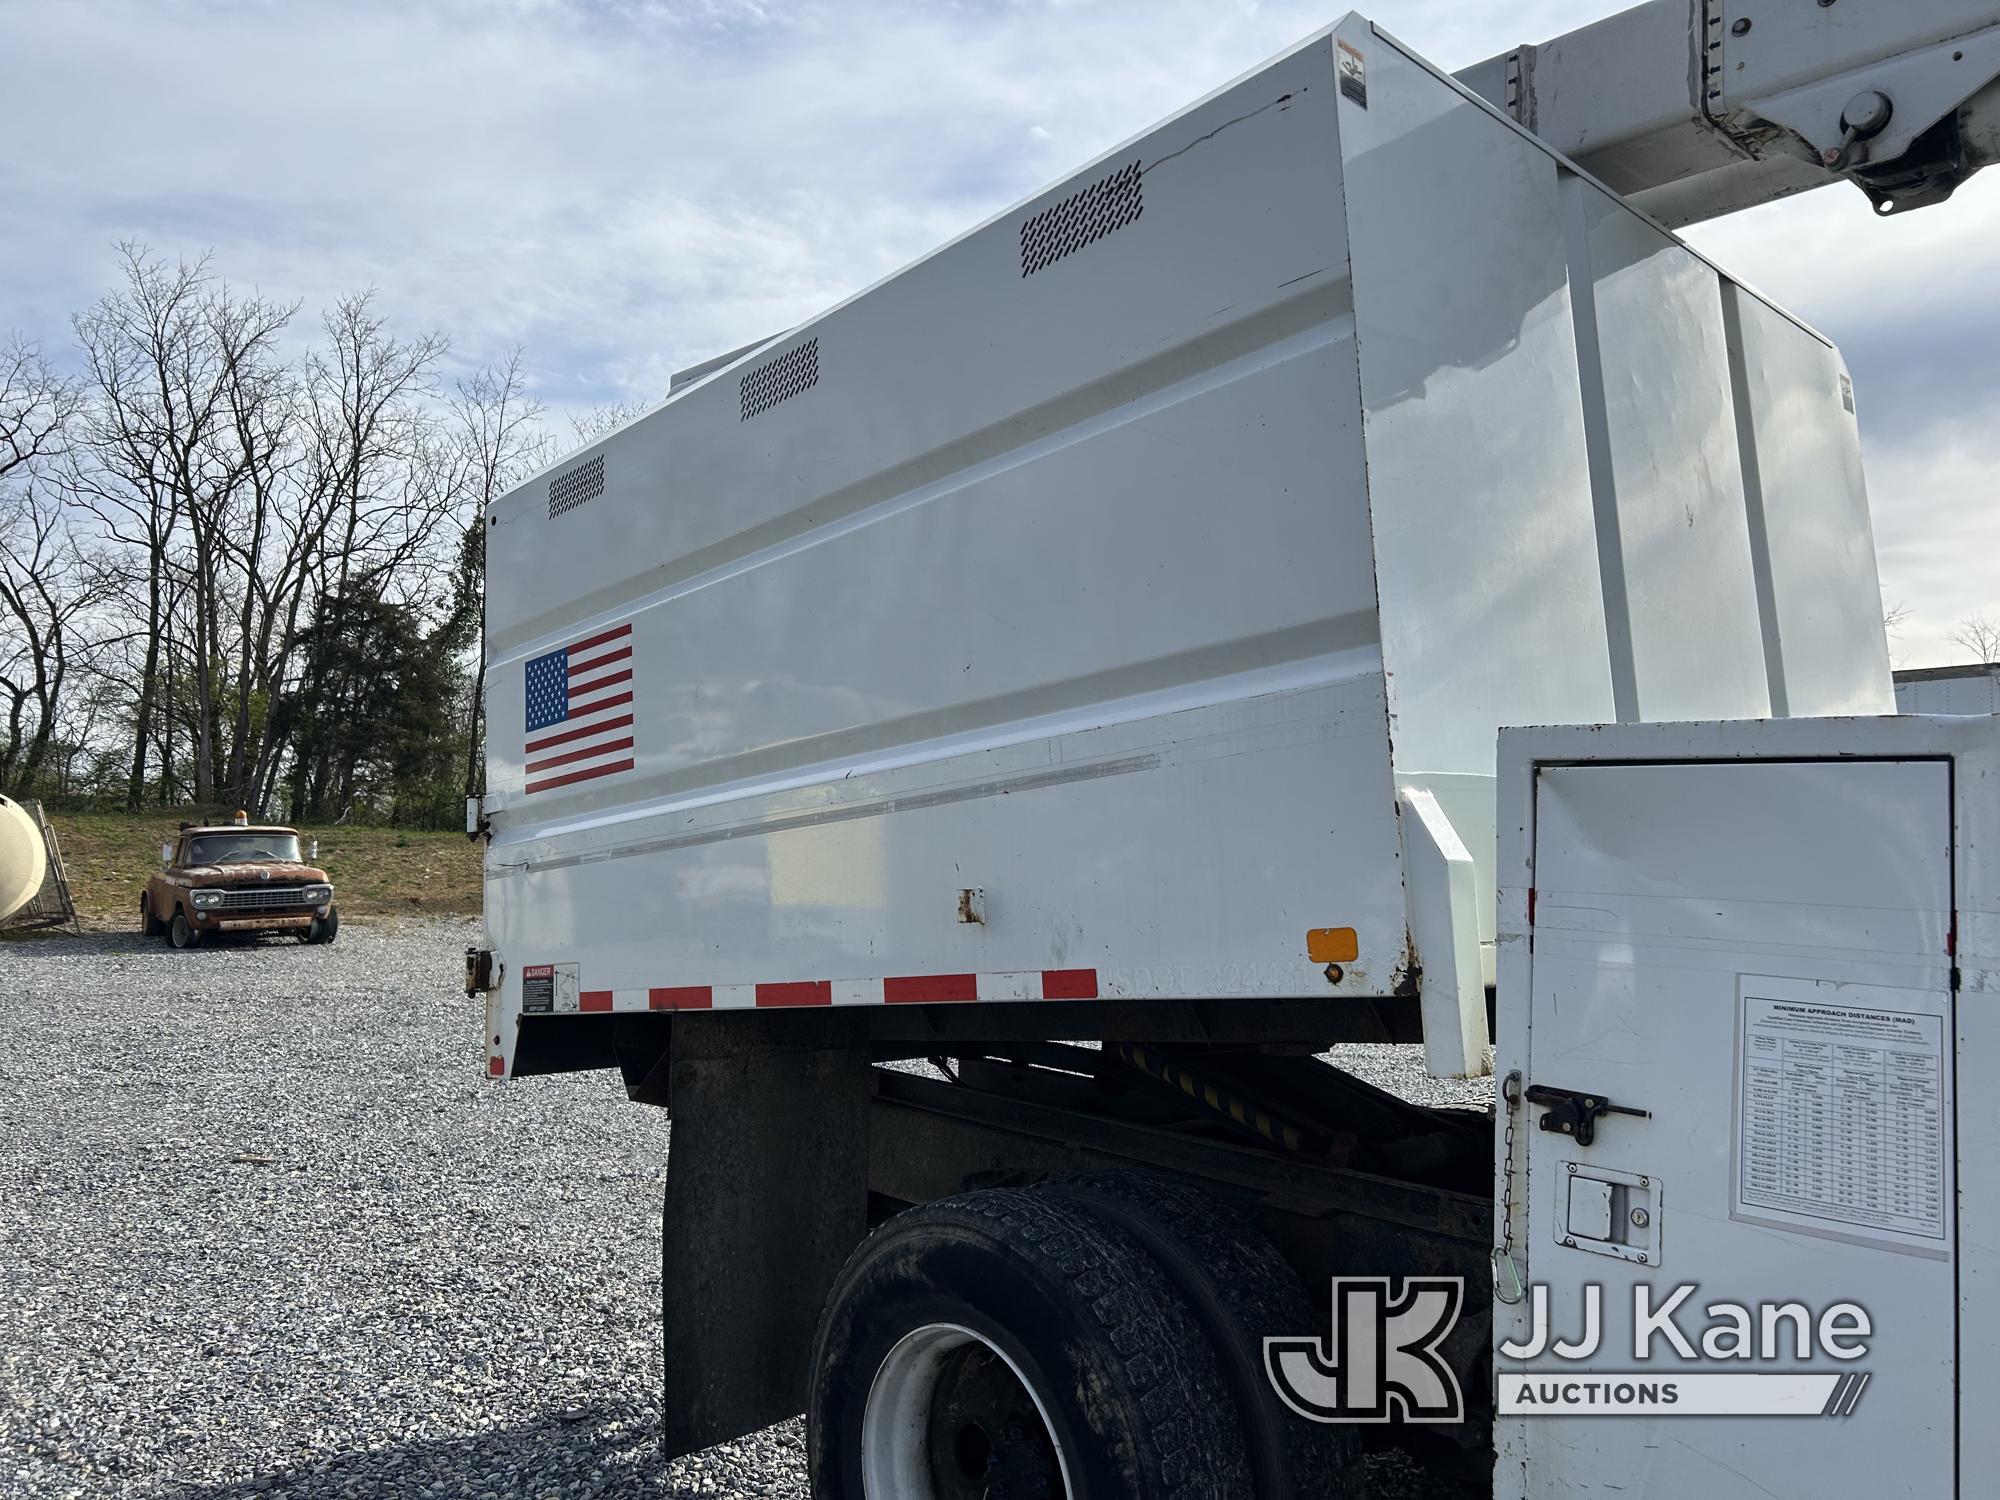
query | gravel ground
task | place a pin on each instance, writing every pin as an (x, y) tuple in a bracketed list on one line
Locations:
[(1400, 1070), (265, 1229)]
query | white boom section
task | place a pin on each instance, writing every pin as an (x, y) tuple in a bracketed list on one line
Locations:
[(1696, 108)]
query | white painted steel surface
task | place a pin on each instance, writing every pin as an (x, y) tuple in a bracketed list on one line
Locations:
[(1856, 858), (1824, 648), (1491, 608), (1129, 586), (1438, 872), (1665, 468)]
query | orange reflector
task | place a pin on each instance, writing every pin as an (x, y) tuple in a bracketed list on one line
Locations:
[(1332, 945)]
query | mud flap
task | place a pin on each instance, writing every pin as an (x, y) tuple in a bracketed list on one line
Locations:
[(767, 1195)]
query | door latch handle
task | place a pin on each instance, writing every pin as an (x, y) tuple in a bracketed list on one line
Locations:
[(1576, 1114)]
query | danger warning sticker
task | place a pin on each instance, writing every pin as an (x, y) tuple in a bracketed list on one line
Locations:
[(1353, 74), (538, 987), (547, 988)]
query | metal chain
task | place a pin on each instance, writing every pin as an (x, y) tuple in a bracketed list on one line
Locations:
[(1506, 1275)]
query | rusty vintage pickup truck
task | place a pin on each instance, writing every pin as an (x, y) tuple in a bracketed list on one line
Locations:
[(237, 878)]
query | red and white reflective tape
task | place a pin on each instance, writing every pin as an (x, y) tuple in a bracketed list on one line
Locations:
[(907, 989)]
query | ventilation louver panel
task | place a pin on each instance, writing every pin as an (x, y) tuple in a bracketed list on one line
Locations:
[(780, 379), (1107, 204), (581, 482)]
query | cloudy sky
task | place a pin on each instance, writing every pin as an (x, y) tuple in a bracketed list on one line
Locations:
[(625, 187)]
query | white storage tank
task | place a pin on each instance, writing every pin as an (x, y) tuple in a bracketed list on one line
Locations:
[(1072, 613), (23, 859)]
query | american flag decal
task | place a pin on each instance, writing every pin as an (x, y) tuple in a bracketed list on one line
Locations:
[(580, 710)]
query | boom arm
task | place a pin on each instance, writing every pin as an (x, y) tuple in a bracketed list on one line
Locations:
[(1696, 108)]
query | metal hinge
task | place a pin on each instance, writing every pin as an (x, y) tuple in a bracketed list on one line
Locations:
[(482, 971)]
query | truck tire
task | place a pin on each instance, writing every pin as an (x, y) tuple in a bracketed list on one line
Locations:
[(324, 929), (150, 925), (1242, 1291), (1010, 1345), (180, 933)]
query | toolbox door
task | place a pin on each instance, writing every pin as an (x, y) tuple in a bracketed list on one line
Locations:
[(1739, 1076)]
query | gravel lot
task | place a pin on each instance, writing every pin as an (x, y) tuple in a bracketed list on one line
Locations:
[(267, 1230)]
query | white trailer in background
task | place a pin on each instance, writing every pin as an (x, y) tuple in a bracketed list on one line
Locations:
[(1099, 631), (1971, 689)]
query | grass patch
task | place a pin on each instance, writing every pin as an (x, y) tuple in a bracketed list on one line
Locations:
[(375, 871)]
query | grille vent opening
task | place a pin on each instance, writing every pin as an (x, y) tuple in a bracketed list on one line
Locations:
[(1109, 203), (780, 379), (569, 489)]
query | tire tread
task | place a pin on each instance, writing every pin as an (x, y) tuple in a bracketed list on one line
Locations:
[(1166, 1358), (1190, 1441), (1253, 1292)]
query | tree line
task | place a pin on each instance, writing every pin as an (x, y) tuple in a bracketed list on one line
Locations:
[(241, 558)]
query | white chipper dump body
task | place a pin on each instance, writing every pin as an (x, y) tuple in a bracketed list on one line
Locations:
[(1100, 632), (1156, 563)]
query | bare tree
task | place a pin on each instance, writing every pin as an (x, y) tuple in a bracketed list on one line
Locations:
[(589, 426), (379, 473), (156, 381), (371, 424), (47, 587), (1894, 618), (1979, 635), (272, 546), (499, 439), (36, 405), (40, 569), (227, 516)]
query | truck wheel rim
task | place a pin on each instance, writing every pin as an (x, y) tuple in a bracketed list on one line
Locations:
[(946, 1410)]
